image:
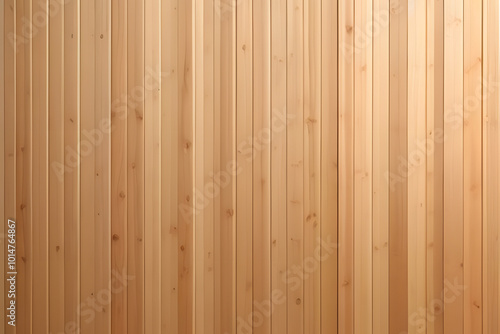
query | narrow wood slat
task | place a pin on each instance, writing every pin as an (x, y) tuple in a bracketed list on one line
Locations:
[(244, 157), (380, 167), (102, 178), (398, 198), (169, 171), (119, 159), (225, 167), (295, 166), (3, 81), (262, 303), (24, 239), (40, 186), (453, 165), (491, 179), (363, 173), (152, 168), (91, 139), (417, 167), (435, 165), (135, 166), (473, 307), (10, 149), (346, 167), (186, 165), (279, 165), (72, 159)]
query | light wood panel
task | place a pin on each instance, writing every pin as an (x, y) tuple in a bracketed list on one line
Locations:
[(252, 166)]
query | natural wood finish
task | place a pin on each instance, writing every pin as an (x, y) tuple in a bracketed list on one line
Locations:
[(346, 167), (119, 159), (417, 159), (380, 167), (453, 163), (472, 152), (295, 165), (262, 166), (398, 150), (244, 159)]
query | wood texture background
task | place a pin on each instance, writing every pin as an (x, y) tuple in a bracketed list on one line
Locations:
[(251, 166)]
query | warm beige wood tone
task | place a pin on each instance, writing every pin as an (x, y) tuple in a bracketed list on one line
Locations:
[(453, 163), (312, 165), (472, 167), (4, 228), (380, 167), (398, 172), (119, 159), (40, 186), (262, 165), (417, 293), (170, 168), (72, 158), (491, 179), (152, 150), (329, 166), (295, 166), (23, 175), (9, 133), (244, 159), (135, 166), (279, 163), (251, 166), (224, 166), (363, 172), (346, 167), (56, 169), (435, 169)]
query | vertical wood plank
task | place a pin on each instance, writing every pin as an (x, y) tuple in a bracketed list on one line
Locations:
[(417, 166), (23, 168), (329, 168), (40, 168), (472, 167), (91, 139), (346, 167), (72, 159), (208, 169), (3, 80), (435, 165), (453, 163), (10, 94), (170, 157), (380, 166), (225, 167), (135, 166), (398, 200), (119, 159), (262, 304), (186, 165), (102, 178), (295, 165), (244, 158), (363, 173), (491, 179), (200, 151), (152, 148), (279, 164), (57, 169), (312, 164)]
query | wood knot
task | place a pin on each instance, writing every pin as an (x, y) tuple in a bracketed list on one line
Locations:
[(230, 212), (116, 237), (182, 247), (298, 301), (122, 194), (57, 248)]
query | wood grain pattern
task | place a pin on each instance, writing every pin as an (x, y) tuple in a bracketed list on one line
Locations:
[(251, 166)]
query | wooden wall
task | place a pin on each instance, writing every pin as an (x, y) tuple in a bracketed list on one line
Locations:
[(252, 166)]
